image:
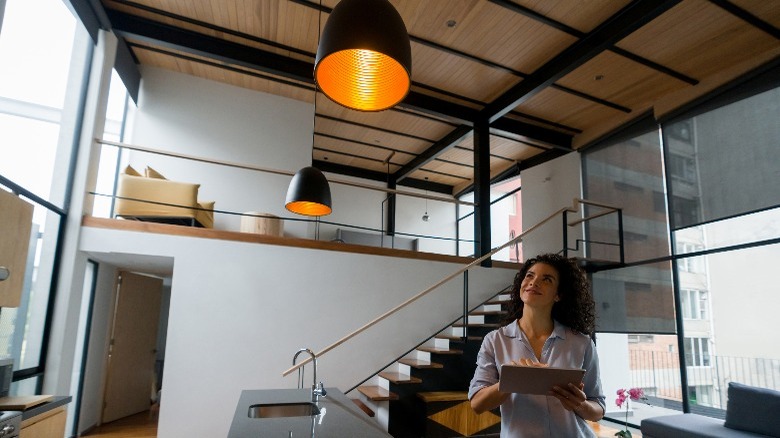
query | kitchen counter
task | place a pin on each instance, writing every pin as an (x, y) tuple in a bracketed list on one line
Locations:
[(57, 401), (339, 417)]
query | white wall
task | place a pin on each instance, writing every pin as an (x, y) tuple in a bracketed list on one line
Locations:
[(547, 188), (207, 119), (239, 311)]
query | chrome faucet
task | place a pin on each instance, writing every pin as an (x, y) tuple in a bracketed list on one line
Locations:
[(317, 389)]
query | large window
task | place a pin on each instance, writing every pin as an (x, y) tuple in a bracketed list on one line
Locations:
[(41, 47), (715, 173), (506, 221)]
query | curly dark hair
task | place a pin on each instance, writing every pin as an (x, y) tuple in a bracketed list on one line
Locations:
[(576, 307)]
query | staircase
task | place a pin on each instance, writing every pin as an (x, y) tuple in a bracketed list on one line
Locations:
[(425, 392)]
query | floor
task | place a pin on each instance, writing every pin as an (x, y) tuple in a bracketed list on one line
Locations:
[(144, 425), (140, 425)]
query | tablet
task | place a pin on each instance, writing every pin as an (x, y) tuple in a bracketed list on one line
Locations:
[(535, 380)]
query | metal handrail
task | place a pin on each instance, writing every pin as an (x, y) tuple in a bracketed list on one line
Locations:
[(446, 279), (277, 171)]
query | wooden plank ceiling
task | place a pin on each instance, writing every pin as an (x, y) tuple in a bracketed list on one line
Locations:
[(550, 76)]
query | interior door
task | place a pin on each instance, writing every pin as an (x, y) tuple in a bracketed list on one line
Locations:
[(133, 346)]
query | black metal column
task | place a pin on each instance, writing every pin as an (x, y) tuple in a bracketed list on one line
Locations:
[(482, 237)]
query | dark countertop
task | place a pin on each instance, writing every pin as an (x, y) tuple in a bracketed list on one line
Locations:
[(60, 400), (339, 417)]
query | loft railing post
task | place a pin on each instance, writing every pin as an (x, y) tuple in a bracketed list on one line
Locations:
[(620, 236), (465, 305), (565, 234)]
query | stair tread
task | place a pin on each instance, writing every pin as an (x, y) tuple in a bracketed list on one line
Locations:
[(491, 325), (359, 403), (498, 302), (488, 312), (440, 396), (458, 338), (440, 350), (398, 378), (377, 393), (416, 363)]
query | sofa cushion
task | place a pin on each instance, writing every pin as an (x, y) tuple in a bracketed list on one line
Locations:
[(753, 409), (129, 170), (151, 173)]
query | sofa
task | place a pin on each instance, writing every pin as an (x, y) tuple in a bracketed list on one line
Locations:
[(152, 197), (750, 412)]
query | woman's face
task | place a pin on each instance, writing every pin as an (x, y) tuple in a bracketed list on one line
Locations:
[(539, 287)]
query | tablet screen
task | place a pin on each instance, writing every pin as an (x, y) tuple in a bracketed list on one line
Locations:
[(536, 380)]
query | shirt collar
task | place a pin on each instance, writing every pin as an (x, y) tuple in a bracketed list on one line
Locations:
[(512, 330)]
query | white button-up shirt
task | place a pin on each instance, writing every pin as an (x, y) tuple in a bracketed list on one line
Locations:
[(539, 415)]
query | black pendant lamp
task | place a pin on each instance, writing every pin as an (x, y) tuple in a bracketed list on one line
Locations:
[(364, 59), (309, 193)]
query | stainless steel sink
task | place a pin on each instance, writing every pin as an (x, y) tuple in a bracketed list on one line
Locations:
[(281, 410)]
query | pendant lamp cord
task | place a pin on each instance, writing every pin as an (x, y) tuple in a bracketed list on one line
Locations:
[(314, 118), (314, 121)]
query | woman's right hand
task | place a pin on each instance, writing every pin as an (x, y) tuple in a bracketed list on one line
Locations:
[(523, 362)]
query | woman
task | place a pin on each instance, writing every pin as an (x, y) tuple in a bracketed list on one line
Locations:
[(552, 319)]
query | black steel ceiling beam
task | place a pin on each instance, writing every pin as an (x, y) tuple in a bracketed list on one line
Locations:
[(654, 65), (447, 142), (92, 16), (376, 146), (356, 172), (361, 157), (214, 27), (151, 32), (375, 128), (748, 17), (170, 37), (554, 138), (513, 112), (516, 169), (512, 6), (617, 27)]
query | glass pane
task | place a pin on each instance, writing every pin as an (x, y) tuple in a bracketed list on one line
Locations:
[(506, 221), (35, 48), (28, 148), (635, 300), (721, 163), (721, 346), (645, 361), (628, 175), (25, 387), (21, 328)]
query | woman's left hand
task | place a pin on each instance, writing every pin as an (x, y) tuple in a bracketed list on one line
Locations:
[(572, 397)]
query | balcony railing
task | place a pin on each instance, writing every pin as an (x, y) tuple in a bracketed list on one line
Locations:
[(657, 372)]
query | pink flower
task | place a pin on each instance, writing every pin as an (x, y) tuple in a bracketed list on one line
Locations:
[(636, 394), (623, 395)]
